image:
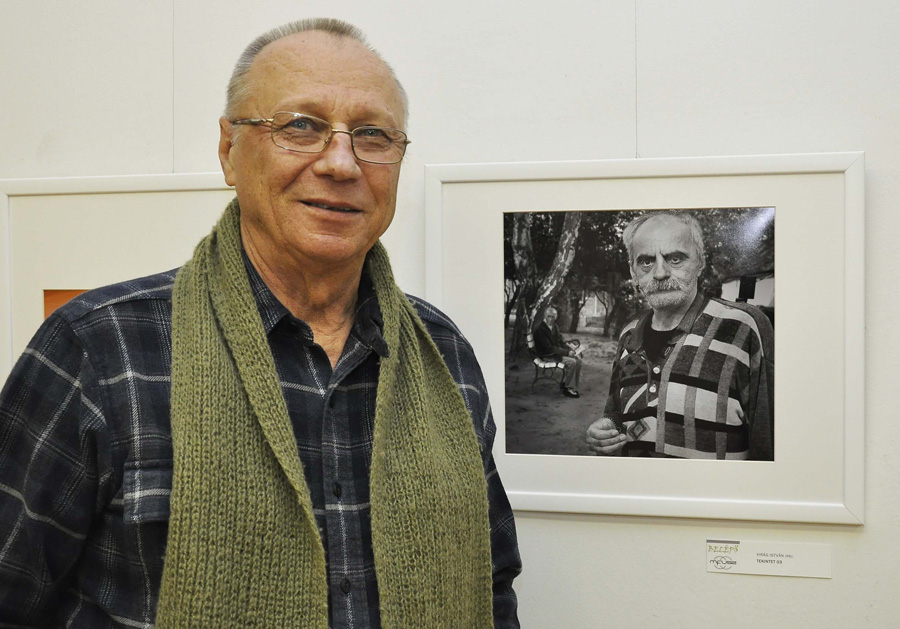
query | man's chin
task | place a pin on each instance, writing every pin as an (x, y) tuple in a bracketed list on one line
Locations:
[(666, 299)]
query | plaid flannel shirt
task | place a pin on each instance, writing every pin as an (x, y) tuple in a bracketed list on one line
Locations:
[(710, 396), (87, 457)]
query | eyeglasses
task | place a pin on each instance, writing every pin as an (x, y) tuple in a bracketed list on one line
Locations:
[(308, 134)]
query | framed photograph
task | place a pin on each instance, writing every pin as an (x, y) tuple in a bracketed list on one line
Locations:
[(753, 412)]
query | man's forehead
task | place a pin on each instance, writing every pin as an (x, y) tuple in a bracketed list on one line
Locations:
[(311, 48), (316, 59), (663, 232)]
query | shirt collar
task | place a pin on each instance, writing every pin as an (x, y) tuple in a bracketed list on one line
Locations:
[(270, 309), (367, 325)]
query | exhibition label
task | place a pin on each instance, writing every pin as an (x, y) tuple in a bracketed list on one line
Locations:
[(785, 559)]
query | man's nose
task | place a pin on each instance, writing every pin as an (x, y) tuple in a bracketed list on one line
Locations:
[(337, 159), (660, 269)]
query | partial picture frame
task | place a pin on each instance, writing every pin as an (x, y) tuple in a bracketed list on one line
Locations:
[(817, 474), (61, 236)]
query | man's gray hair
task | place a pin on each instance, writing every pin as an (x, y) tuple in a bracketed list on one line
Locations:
[(681, 216), (239, 86)]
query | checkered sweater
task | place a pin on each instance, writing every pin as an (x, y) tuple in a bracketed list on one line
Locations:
[(710, 396)]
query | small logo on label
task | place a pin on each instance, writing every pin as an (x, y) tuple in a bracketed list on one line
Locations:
[(723, 563)]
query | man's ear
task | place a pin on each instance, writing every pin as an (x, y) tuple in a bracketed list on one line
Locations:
[(226, 143)]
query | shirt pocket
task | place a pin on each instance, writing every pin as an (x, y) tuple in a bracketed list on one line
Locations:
[(146, 492), (147, 489)]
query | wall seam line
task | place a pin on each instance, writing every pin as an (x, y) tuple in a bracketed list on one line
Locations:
[(173, 86), (636, 152)]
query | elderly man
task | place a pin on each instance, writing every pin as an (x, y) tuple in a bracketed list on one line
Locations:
[(271, 437), (693, 376), (549, 343)]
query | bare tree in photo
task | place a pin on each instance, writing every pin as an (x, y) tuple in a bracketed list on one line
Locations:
[(535, 292)]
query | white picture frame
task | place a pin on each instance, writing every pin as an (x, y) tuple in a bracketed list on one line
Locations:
[(87, 232), (818, 472)]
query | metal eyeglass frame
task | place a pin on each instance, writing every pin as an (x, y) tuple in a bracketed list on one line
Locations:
[(270, 122)]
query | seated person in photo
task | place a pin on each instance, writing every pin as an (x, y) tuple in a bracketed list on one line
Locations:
[(693, 376), (549, 343)]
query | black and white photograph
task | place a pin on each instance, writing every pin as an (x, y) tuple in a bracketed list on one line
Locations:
[(640, 333)]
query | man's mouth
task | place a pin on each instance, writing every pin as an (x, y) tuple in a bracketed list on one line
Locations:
[(332, 208)]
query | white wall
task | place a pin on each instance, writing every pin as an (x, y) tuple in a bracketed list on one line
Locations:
[(106, 87)]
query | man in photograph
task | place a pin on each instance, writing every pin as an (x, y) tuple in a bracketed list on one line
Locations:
[(693, 376), (275, 436), (549, 343)]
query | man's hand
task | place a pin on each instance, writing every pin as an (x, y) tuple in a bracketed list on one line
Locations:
[(604, 439)]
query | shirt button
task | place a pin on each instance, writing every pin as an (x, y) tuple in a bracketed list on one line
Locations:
[(653, 388), (345, 586), (656, 370), (336, 489)]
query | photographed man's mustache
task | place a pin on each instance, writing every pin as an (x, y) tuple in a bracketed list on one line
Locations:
[(658, 286)]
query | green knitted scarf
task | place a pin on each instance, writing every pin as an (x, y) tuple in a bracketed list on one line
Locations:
[(243, 546)]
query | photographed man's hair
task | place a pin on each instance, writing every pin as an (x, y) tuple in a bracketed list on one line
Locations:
[(682, 217), (239, 86)]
